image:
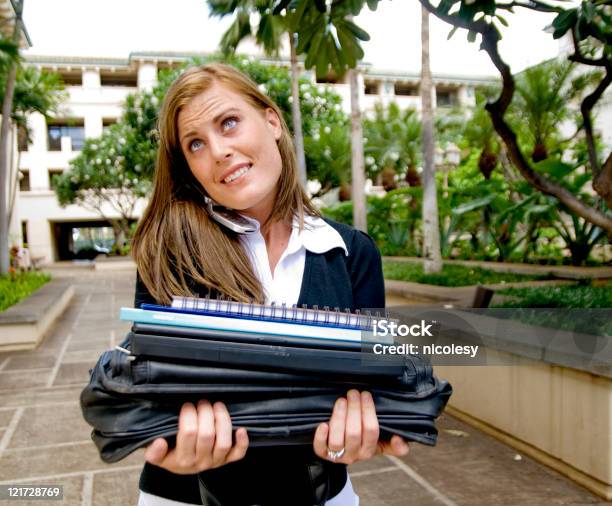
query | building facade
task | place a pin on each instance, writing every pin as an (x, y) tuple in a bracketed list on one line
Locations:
[(96, 90)]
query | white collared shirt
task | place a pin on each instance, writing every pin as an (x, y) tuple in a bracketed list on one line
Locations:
[(284, 284)]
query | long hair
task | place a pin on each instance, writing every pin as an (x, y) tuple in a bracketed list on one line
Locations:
[(177, 246)]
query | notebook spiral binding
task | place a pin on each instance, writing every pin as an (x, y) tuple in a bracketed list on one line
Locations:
[(282, 313)]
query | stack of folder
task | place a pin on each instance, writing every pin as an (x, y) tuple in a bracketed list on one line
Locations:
[(278, 369)]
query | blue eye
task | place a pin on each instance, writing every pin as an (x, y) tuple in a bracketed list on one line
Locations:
[(195, 145), (229, 123)]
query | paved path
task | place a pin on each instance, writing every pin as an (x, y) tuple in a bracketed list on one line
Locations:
[(44, 440)]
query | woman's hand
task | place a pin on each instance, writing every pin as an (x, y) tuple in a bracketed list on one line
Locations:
[(352, 432), (204, 441)]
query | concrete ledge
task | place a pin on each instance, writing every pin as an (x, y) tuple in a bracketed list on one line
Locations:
[(24, 325)]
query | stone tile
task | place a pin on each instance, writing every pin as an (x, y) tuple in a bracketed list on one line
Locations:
[(90, 356), (116, 488), (488, 473), (47, 396), (98, 343), (23, 379), (49, 461), (370, 465), (6, 415), (77, 372), (391, 489), (32, 360), (76, 458), (39, 426), (73, 491)]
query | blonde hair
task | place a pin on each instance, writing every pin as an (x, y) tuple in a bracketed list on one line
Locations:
[(177, 246)]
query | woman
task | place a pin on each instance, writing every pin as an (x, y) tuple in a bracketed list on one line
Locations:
[(221, 137)]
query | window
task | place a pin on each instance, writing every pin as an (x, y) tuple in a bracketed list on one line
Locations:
[(72, 78), (106, 122), (371, 88), (24, 180), (56, 131), (115, 79), (446, 98), (54, 172), (402, 89), (22, 138), (24, 233)]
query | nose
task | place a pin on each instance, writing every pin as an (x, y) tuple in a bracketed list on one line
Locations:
[(219, 149)]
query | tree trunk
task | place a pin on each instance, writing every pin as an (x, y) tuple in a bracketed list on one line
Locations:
[(431, 231), (357, 159), (297, 114), (7, 107)]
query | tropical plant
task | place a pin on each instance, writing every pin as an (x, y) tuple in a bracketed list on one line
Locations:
[(392, 141), (590, 27)]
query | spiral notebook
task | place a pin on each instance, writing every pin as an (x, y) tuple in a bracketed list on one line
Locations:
[(271, 319)]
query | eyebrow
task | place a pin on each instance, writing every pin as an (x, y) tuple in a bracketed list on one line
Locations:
[(192, 133)]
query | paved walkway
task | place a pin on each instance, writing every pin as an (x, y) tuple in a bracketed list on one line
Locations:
[(44, 440)]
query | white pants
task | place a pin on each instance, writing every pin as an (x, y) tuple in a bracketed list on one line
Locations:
[(346, 497)]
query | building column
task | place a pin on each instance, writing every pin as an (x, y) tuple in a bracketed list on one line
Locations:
[(147, 75)]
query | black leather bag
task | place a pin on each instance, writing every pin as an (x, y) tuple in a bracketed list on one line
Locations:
[(130, 401)]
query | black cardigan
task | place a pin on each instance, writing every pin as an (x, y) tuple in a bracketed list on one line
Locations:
[(330, 279)]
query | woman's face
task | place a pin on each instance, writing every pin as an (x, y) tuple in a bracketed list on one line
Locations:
[(231, 149)]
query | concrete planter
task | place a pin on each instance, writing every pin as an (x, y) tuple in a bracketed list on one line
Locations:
[(24, 325)]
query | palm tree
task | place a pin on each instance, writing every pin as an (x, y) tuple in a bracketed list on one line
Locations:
[(431, 231), (360, 221), (268, 34)]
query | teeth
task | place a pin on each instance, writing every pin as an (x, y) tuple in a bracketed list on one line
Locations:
[(237, 174)]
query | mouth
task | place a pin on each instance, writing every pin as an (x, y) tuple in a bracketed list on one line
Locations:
[(238, 173)]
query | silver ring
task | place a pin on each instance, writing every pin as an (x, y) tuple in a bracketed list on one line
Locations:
[(332, 455)]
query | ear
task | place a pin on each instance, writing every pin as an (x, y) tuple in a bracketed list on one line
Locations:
[(274, 123)]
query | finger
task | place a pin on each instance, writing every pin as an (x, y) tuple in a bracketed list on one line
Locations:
[(352, 433), (187, 436), (319, 442), (397, 447), (206, 433), (337, 424), (239, 450), (156, 452), (370, 430), (223, 434)]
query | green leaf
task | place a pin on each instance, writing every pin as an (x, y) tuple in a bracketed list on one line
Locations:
[(563, 22), (473, 205), (502, 20), (354, 29), (452, 32)]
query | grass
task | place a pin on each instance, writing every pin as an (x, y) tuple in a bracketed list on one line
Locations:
[(573, 296), (16, 288), (559, 307), (451, 275)]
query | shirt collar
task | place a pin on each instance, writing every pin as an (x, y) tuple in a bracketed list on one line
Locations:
[(317, 236)]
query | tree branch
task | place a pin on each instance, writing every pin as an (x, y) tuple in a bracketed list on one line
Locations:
[(497, 109), (531, 4)]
